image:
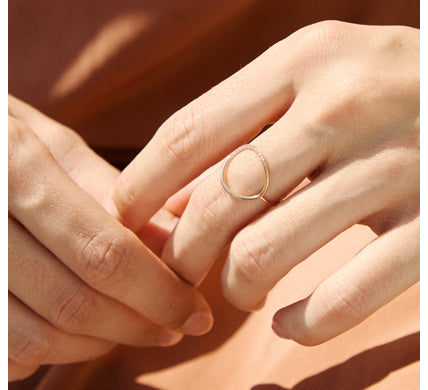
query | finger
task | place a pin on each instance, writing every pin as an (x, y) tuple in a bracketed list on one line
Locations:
[(380, 272), (267, 249), (70, 151), (33, 341), (91, 172), (18, 371), (201, 133), (44, 284), (156, 232), (213, 217), (75, 156), (178, 202), (92, 243)]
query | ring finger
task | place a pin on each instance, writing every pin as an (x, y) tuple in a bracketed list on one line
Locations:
[(267, 249), (213, 217)]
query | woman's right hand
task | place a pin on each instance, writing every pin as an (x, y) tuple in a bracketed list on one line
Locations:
[(79, 281), (343, 104)]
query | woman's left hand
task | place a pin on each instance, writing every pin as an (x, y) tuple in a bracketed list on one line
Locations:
[(343, 101)]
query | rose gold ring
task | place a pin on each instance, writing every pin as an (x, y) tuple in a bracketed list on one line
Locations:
[(261, 193)]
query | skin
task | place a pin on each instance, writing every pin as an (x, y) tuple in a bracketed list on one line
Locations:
[(343, 104), (79, 281)]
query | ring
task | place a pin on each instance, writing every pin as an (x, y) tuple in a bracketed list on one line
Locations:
[(260, 194)]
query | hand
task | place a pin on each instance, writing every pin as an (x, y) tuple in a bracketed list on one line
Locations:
[(343, 102), (78, 280)]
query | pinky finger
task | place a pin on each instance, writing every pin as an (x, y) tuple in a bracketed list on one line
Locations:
[(18, 371), (381, 271)]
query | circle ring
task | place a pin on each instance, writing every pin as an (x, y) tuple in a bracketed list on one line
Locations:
[(260, 194)]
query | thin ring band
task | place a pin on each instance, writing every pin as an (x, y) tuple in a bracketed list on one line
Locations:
[(260, 194)]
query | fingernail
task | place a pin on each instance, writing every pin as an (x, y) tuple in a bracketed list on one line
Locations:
[(278, 329), (169, 337), (198, 323)]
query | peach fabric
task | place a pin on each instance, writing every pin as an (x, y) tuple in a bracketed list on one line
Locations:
[(242, 352), (114, 71)]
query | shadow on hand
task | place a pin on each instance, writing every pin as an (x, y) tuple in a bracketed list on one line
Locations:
[(120, 368), (363, 370)]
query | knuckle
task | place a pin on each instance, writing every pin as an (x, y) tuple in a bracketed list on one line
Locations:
[(329, 28), (318, 130), (24, 153), (348, 99), (325, 32), (74, 309), (345, 301), (332, 122), (252, 256), (22, 138), (16, 132), (19, 137), (318, 40), (105, 258), (182, 140), (30, 347), (401, 168)]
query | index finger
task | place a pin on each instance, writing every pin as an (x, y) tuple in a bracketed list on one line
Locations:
[(90, 242), (203, 132)]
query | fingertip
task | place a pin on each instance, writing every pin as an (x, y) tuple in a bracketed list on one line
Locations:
[(242, 304), (200, 320), (291, 323), (239, 294), (199, 323), (20, 372), (100, 348), (278, 328), (256, 306), (169, 338)]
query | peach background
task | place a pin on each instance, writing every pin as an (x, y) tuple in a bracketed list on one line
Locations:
[(114, 71)]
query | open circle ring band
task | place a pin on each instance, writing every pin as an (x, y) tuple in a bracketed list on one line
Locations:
[(261, 193)]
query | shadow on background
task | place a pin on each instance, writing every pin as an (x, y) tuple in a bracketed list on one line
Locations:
[(362, 370), (170, 62)]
